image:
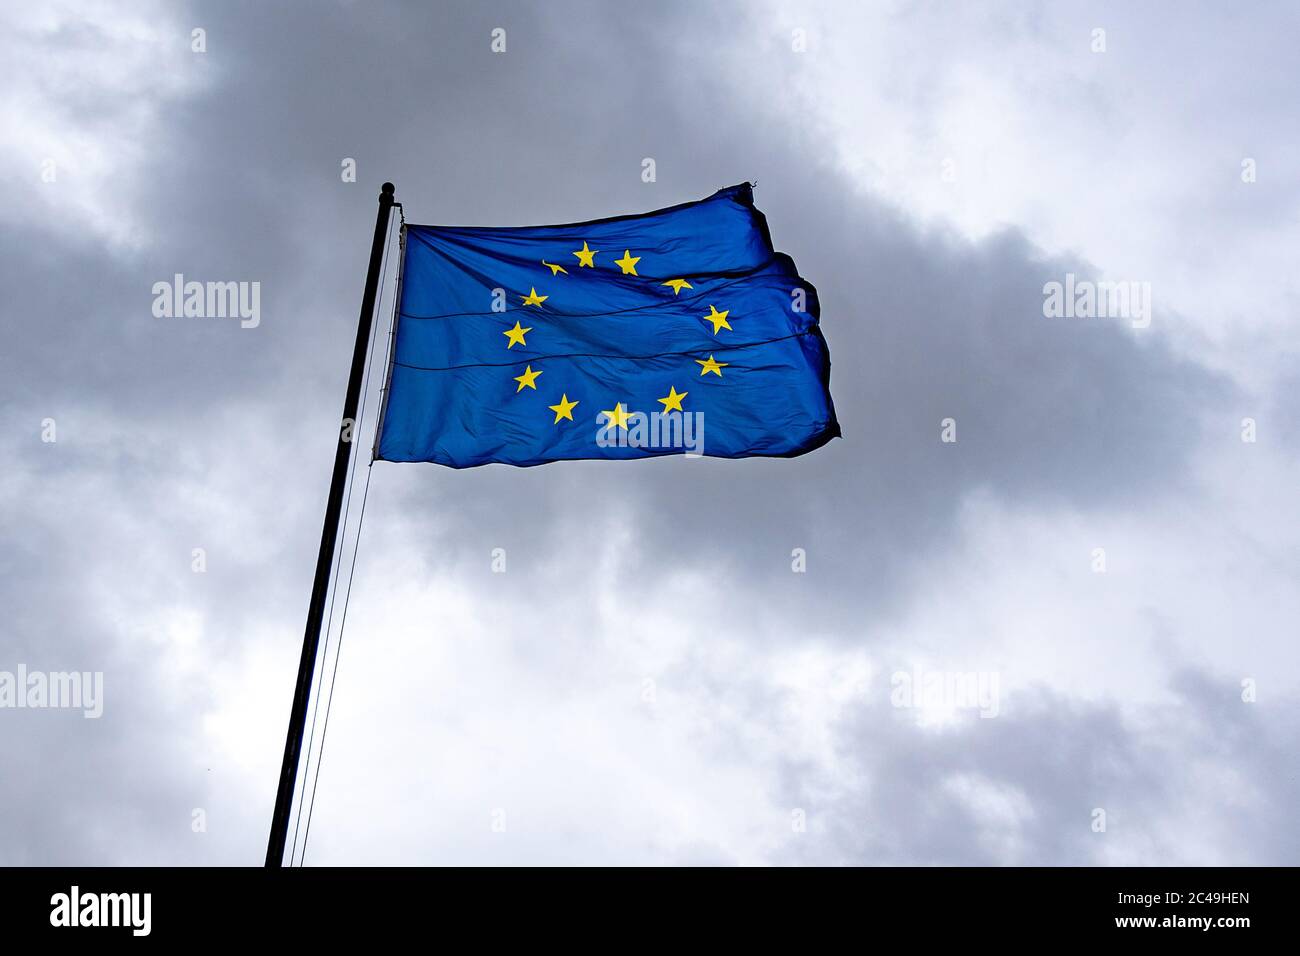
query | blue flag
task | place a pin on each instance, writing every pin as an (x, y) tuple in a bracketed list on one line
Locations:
[(676, 331)]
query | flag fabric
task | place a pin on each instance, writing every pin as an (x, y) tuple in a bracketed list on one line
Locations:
[(675, 331)]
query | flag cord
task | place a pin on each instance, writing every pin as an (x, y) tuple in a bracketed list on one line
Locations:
[(356, 543), (338, 650)]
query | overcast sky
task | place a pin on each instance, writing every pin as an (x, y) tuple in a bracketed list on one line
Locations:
[(650, 681)]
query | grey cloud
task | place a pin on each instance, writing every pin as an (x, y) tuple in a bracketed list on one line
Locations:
[(221, 437), (1194, 782)]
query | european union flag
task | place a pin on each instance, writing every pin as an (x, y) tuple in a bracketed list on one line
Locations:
[(676, 331)]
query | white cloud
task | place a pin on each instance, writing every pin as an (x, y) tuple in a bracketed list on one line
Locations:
[(87, 89), (1130, 158)]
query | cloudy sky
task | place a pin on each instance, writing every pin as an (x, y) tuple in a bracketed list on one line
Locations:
[(1101, 550)]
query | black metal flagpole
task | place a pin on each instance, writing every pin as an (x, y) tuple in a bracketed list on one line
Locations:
[(328, 540)]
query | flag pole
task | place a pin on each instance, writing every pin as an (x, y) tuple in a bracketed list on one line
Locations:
[(328, 540)]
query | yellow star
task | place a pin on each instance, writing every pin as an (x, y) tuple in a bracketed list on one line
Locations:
[(532, 298), (618, 415), (515, 335), (563, 410), (554, 268), (678, 285), (712, 366), (529, 378), (585, 256), (719, 319), (673, 403), (628, 262)]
